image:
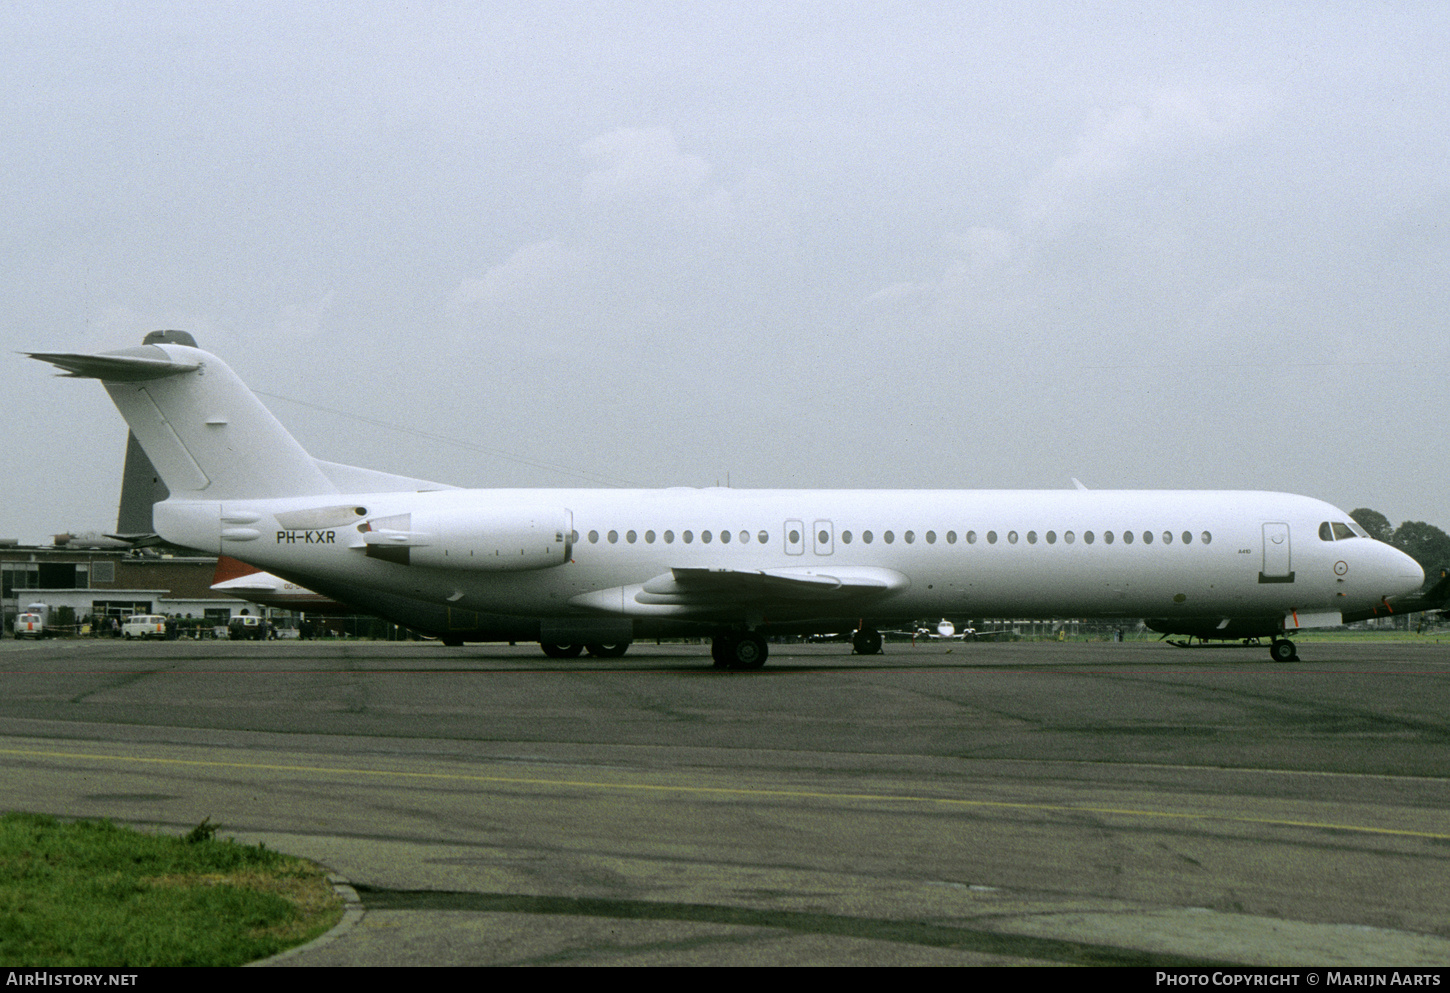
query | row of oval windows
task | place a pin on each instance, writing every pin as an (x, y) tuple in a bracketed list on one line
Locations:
[(824, 537)]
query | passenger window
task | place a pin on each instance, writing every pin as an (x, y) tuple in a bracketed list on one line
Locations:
[(630, 536), (951, 537), (931, 537), (764, 537), (991, 537), (794, 537), (866, 537), (1087, 537), (724, 537), (972, 537), (593, 537), (845, 537), (1031, 537), (1147, 537), (1011, 537), (1107, 537), (910, 536), (1052, 537), (1127, 537), (888, 537), (1167, 537), (669, 537), (613, 537), (1188, 537), (705, 537), (744, 537), (687, 537), (649, 537), (1206, 537)]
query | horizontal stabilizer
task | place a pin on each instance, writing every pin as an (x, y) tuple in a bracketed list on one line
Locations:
[(116, 367), (207, 435)]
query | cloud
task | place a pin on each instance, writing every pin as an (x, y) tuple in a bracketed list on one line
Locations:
[(639, 164), (1254, 319), (303, 320), (899, 292), (641, 179), (655, 244), (1098, 231), (533, 275), (1126, 144)]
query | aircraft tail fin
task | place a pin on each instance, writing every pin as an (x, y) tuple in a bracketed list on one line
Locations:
[(206, 433), (141, 489)]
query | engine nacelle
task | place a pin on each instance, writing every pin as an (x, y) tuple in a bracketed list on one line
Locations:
[(484, 539)]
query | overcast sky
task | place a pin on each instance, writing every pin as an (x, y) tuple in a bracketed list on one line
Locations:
[(1164, 245)]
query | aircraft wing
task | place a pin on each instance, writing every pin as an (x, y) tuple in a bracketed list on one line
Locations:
[(683, 591), (688, 585)]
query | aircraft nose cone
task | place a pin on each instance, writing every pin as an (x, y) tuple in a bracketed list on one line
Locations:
[(1406, 572)]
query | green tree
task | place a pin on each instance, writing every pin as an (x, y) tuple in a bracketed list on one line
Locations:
[(1425, 543), (1377, 524)]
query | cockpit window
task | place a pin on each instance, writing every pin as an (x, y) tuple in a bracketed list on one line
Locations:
[(1338, 531)]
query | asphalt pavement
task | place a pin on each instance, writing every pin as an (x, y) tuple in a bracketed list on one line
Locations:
[(941, 804)]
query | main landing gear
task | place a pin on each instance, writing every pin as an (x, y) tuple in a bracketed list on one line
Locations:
[(738, 650), (866, 641), (596, 650)]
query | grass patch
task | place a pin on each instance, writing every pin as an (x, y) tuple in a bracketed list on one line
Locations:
[(89, 893)]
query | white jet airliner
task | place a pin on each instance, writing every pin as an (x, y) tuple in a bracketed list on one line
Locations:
[(598, 568)]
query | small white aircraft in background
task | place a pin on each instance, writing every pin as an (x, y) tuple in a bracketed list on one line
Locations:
[(946, 630), (599, 568)]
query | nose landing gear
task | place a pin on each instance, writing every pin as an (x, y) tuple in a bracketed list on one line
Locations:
[(1283, 650)]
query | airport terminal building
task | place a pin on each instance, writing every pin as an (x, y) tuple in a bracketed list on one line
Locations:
[(111, 582)]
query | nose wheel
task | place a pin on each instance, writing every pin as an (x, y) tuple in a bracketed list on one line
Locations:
[(1282, 650)]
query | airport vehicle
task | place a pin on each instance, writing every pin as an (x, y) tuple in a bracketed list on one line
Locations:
[(34, 622), (144, 626), (599, 568), (245, 627)]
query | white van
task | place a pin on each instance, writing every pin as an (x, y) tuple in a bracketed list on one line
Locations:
[(30, 625), (144, 626)]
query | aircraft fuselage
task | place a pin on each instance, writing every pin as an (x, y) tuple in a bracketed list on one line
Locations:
[(1097, 553)]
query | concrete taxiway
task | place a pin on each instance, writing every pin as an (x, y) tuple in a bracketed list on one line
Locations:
[(941, 804)]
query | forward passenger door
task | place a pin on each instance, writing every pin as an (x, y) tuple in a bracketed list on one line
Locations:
[(1277, 556)]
